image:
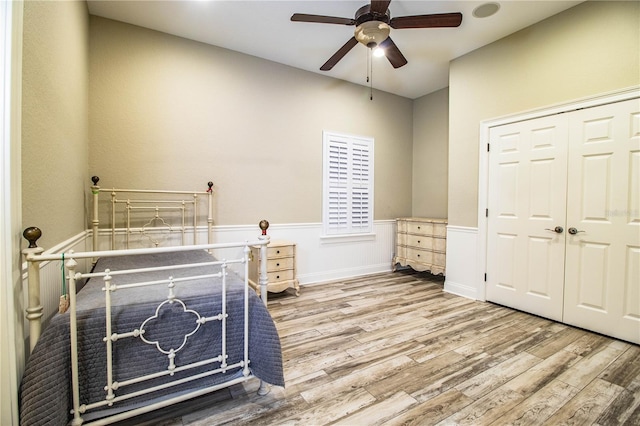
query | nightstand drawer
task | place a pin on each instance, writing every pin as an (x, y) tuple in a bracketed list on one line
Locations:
[(279, 264), (279, 251), (276, 276)]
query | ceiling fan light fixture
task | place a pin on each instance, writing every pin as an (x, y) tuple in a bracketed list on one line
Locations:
[(372, 33), (378, 52)]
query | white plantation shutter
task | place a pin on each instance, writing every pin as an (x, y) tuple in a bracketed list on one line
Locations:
[(348, 184), (338, 182)]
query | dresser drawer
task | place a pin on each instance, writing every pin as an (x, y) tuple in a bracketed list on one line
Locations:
[(422, 256), (420, 241), (279, 264), (422, 228)]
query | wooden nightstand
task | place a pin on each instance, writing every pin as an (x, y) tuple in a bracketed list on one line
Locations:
[(281, 267)]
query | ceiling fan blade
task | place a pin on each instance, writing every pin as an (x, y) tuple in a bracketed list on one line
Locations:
[(427, 21), (379, 6), (339, 54), (320, 19), (393, 54)]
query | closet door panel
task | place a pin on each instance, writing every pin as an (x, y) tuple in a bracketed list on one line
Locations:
[(601, 284), (527, 201)]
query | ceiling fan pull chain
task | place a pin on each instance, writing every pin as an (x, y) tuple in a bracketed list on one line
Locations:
[(370, 74), (368, 65)]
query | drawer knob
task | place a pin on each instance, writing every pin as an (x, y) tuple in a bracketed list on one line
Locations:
[(278, 276), (418, 241), (278, 251), (277, 264)]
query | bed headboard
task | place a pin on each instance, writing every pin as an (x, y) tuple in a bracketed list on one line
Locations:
[(151, 218)]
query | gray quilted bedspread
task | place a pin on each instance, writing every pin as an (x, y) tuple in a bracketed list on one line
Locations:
[(45, 394)]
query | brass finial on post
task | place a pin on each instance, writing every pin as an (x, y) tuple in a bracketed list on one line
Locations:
[(32, 234), (264, 225)]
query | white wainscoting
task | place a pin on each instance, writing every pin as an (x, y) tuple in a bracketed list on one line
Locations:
[(463, 277), (319, 259)]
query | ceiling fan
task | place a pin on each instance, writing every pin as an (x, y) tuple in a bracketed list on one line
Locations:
[(373, 24)]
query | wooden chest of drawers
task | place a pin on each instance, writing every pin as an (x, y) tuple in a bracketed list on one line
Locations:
[(421, 243), (281, 267)]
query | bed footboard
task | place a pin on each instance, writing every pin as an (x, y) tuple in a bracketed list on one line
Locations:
[(108, 336)]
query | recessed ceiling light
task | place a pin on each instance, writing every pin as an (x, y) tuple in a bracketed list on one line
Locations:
[(485, 10)]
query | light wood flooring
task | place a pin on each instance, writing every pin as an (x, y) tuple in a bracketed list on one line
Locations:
[(394, 349)]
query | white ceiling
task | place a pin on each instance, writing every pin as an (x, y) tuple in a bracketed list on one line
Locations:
[(263, 28)]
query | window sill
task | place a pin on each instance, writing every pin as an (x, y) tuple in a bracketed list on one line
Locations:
[(346, 238)]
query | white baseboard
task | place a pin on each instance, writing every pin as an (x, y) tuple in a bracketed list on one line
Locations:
[(462, 276)]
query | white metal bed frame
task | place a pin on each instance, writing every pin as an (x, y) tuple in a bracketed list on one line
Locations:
[(34, 256)]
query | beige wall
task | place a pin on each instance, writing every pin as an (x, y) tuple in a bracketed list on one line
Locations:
[(430, 154), (167, 112), (590, 49), (55, 117)]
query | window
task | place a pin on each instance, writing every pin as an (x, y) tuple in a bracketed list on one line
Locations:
[(348, 184)]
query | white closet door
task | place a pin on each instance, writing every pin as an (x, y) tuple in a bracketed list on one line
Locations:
[(527, 201), (602, 281)]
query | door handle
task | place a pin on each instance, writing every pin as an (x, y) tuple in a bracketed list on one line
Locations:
[(573, 231), (557, 229)]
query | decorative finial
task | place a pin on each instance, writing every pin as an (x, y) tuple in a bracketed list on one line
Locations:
[(32, 234), (264, 225), (95, 179), (210, 185)]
